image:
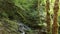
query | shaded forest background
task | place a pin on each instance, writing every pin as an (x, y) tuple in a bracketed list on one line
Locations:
[(32, 13)]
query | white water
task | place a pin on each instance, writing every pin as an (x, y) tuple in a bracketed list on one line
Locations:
[(23, 28)]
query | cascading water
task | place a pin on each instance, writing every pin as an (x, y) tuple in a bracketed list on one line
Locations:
[(23, 28)]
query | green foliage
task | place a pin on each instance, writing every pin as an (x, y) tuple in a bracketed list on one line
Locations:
[(25, 11), (9, 26)]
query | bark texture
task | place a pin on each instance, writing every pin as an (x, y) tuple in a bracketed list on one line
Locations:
[(48, 16), (55, 23)]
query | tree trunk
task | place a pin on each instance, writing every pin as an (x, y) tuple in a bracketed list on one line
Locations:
[(55, 24), (48, 16)]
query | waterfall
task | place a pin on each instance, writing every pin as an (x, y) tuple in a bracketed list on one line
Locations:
[(23, 28)]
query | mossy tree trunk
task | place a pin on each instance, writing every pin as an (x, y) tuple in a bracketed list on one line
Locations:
[(55, 23), (48, 16)]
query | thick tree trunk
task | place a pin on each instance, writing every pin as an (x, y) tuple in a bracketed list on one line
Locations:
[(55, 24), (48, 16)]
